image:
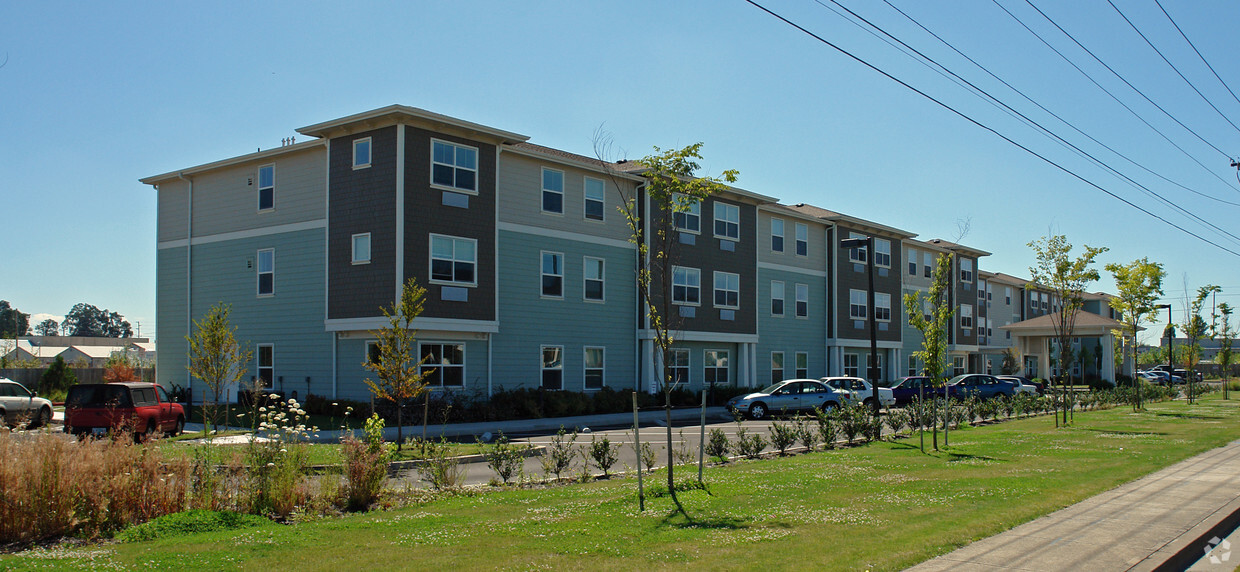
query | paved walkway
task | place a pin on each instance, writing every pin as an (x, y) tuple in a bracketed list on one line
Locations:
[(1160, 522)]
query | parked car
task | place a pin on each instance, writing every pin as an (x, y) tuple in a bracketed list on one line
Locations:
[(18, 404), (141, 407), (1152, 377), (1024, 385), (861, 391), (914, 387), (788, 395), (979, 384), (1165, 377)]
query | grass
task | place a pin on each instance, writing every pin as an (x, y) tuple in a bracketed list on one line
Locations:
[(885, 506), (316, 453)]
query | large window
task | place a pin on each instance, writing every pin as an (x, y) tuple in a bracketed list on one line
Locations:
[(802, 239), (912, 365), (882, 252), (679, 366), (267, 272), (266, 187), (927, 260), (802, 365), (850, 365), (777, 367), (958, 366), (361, 153), (777, 234), (882, 307), (453, 259), (689, 219), (553, 367), (912, 261), (727, 290), (361, 248), (594, 368), (715, 366), (727, 221), (802, 300), (595, 193), (966, 270), (266, 364), (553, 275), (454, 166), (857, 304), (686, 286), (594, 274), (857, 254), (444, 365), (777, 298), (966, 316), (552, 191)]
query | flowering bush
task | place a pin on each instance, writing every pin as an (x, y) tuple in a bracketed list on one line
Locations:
[(277, 459), (365, 465)]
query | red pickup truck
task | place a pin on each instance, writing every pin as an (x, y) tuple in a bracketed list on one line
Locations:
[(143, 408)]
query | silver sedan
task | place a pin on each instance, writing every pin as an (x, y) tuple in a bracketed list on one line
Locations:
[(788, 396)]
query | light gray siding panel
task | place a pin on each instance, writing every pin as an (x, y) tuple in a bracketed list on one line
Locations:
[(173, 202), (225, 201), (816, 259), (520, 198), (170, 317), (790, 334)]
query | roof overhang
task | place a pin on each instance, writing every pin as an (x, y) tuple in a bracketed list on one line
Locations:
[(394, 114), (256, 156)]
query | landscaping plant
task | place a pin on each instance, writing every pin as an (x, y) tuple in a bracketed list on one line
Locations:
[(717, 446), (783, 436), (604, 454)]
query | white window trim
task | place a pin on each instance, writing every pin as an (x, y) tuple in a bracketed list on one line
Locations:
[(783, 241), (727, 368), (878, 297), (858, 250), (585, 351), (715, 288), (688, 367), (856, 366), (542, 183), (969, 316), (699, 286), (258, 196), (477, 155), (727, 207), (464, 362), (585, 279), (783, 292), (797, 229), (878, 242), (694, 209), (366, 350), (353, 247), (543, 368), (585, 185), (783, 369), (796, 309), (430, 260), (796, 368), (370, 153), (258, 364), (258, 273), (966, 262), (911, 255), (865, 303), (542, 273)]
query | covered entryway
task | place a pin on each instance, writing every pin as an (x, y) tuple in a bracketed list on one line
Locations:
[(1033, 339)]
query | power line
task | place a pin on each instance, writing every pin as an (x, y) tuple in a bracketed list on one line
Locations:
[(1177, 70), (1052, 113), (996, 133), (1203, 58)]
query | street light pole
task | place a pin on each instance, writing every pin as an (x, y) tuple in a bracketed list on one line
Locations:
[(1170, 331), (868, 243)]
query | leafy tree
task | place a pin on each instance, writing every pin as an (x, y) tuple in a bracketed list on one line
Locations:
[(395, 363), (1140, 286), (1195, 328), (933, 353), (1225, 334), (215, 356), (13, 322), (47, 327), (58, 377), (1011, 362), (1066, 278), (89, 321)]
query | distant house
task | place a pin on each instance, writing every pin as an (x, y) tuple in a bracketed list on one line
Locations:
[(91, 352)]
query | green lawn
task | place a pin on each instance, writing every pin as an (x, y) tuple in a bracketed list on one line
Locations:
[(879, 507), (316, 454)]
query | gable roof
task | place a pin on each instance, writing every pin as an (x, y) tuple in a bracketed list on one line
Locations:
[(832, 216)]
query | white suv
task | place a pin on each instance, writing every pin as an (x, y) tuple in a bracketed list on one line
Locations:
[(861, 390), (18, 404)]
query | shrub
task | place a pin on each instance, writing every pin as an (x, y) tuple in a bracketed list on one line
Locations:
[(682, 453), (440, 468), (828, 429), (749, 445), (649, 456), (717, 446), (277, 462), (58, 377), (806, 435), (560, 453), (190, 522), (505, 459), (897, 419), (604, 454), (850, 422), (365, 466), (782, 437)]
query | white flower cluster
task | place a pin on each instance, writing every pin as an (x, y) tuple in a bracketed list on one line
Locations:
[(285, 421)]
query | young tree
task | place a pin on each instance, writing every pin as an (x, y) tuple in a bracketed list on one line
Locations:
[(672, 188), (215, 356), (1067, 278), (1140, 286), (47, 327), (1195, 328), (933, 330), (58, 377), (395, 364), (1225, 334)]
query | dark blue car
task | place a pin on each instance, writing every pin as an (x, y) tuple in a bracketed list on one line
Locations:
[(912, 388), (981, 385)]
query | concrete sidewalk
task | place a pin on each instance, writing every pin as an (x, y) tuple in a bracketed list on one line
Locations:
[(1160, 522)]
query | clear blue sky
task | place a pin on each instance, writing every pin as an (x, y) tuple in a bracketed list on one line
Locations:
[(95, 95)]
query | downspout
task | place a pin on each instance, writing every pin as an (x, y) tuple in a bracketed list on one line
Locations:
[(638, 320), (832, 293), (189, 271)]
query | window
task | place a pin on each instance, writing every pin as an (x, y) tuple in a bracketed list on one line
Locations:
[(715, 366), (966, 316), (882, 307), (850, 365), (981, 293), (1007, 293), (966, 270), (912, 262), (912, 365), (689, 219), (553, 367), (595, 204), (1033, 300), (594, 368), (727, 290), (266, 187), (454, 166), (882, 252), (802, 365), (680, 366), (686, 285), (361, 153), (1045, 300), (927, 261), (777, 235), (372, 352), (361, 248), (958, 366), (927, 309), (444, 365), (266, 364), (802, 300), (981, 329), (802, 239), (777, 367), (553, 191), (267, 272), (777, 298), (453, 259), (552, 275), (727, 221), (856, 254), (594, 273), (857, 304)]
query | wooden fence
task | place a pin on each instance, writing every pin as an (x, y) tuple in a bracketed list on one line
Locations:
[(30, 377)]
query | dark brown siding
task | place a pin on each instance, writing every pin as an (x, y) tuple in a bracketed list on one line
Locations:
[(966, 293), (853, 276), (362, 201)]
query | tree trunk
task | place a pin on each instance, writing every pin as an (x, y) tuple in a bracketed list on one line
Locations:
[(671, 482)]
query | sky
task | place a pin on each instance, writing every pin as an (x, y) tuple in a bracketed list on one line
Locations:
[(94, 96)]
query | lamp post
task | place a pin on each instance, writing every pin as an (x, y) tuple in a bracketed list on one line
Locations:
[(1170, 331), (868, 243)]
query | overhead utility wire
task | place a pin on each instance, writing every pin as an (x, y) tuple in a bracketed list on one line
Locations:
[(1114, 97), (1203, 58), (1052, 113), (1039, 126), (1177, 70), (996, 133), (1121, 78)]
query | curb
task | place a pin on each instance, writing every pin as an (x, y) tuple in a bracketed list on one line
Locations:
[(1188, 548)]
